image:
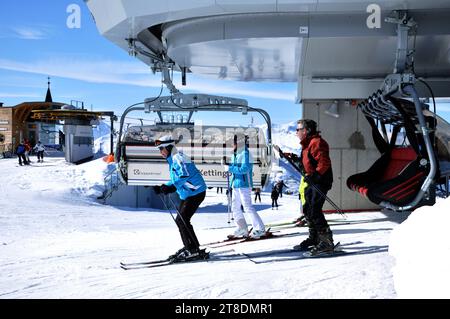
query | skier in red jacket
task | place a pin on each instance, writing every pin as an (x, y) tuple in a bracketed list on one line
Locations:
[(316, 166)]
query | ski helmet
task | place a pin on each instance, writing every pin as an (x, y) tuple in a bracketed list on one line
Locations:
[(165, 141)]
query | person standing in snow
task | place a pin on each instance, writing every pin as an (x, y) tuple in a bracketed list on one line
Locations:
[(316, 165), (274, 195), (39, 148), (280, 184), (257, 194), (188, 182), (28, 149), (241, 181), (20, 151)]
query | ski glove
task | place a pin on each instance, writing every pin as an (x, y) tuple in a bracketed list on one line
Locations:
[(164, 189), (157, 189), (291, 156), (167, 189)]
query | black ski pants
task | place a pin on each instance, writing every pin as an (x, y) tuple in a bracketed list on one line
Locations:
[(22, 158), (313, 207), (186, 210), (274, 203), (40, 155)]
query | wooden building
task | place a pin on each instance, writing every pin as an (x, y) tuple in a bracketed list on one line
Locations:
[(17, 124)]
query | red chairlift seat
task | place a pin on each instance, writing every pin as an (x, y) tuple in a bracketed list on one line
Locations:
[(395, 177)]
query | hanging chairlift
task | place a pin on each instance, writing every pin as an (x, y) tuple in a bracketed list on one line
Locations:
[(140, 162), (401, 178), (404, 177)]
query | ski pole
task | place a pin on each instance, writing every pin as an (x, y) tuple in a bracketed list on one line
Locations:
[(165, 205), (277, 148), (184, 222), (228, 191), (178, 213), (228, 196)]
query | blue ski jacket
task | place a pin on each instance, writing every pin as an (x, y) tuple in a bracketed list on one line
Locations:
[(185, 176), (242, 169)]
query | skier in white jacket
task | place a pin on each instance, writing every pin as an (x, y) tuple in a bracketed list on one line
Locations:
[(40, 149)]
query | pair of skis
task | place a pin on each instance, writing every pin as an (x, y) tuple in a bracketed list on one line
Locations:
[(237, 240), (250, 256), (216, 244), (285, 255), (173, 261)]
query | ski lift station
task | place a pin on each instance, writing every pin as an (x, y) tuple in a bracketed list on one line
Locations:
[(368, 73), (61, 127)]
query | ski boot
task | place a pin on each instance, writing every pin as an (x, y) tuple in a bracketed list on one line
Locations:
[(301, 221), (309, 242), (197, 254), (257, 234), (178, 253), (325, 245), (239, 233)]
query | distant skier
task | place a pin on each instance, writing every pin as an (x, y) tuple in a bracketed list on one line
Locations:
[(257, 194), (39, 148), (274, 195), (20, 151), (28, 150), (188, 182), (241, 183), (316, 164), (280, 184)]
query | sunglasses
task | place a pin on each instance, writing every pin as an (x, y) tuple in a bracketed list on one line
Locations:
[(300, 128)]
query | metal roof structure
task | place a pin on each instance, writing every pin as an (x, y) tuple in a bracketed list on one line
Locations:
[(329, 47)]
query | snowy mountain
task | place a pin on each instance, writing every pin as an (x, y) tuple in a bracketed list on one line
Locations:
[(102, 139), (284, 135)]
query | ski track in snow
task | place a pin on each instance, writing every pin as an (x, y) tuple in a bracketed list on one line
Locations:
[(58, 242)]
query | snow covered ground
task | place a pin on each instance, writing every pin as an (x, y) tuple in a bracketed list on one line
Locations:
[(56, 241)]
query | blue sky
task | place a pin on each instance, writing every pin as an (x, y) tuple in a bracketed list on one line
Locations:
[(86, 67)]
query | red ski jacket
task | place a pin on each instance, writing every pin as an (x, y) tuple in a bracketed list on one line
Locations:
[(316, 158)]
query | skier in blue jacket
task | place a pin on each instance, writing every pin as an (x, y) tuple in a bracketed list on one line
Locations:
[(241, 168), (188, 182)]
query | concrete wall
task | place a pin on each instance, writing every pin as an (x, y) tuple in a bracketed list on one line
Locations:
[(75, 150), (351, 148)]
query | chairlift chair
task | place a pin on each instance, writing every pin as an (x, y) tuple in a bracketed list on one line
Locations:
[(398, 175), (140, 162)]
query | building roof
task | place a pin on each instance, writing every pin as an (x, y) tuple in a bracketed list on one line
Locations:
[(22, 111), (48, 96), (58, 115)]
